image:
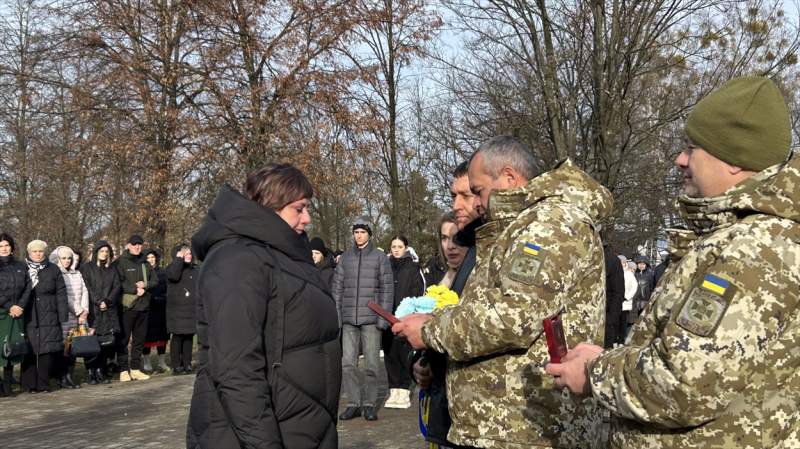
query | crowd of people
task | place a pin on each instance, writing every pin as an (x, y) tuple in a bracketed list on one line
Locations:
[(699, 352), (130, 300)]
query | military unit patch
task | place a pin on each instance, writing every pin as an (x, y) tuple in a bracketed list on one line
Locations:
[(706, 305), (527, 263)]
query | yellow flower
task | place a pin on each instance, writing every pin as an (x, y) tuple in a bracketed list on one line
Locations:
[(443, 295)]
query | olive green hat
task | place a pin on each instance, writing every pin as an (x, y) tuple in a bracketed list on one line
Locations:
[(744, 123)]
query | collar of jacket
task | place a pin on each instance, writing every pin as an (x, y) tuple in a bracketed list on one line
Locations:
[(366, 249), (566, 183), (772, 191), (679, 242)]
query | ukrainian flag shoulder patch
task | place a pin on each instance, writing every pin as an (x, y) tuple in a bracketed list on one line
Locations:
[(715, 284), (531, 249)]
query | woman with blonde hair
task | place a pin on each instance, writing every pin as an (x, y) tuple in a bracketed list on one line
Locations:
[(105, 293)]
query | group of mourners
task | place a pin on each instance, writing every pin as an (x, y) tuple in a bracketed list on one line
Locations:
[(133, 302)]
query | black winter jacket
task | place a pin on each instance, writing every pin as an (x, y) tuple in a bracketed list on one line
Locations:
[(363, 275), (408, 280), (646, 281), (615, 295), (269, 361), (181, 295), (130, 272), (157, 317), (15, 284), (104, 286), (328, 267), (47, 310)]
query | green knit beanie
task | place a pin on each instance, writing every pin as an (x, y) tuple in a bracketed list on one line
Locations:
[(744, 123)]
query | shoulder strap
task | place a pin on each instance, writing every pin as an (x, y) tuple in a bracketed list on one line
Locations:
[(144, 274)]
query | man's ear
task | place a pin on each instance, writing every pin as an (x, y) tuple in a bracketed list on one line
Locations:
[(512, 177)]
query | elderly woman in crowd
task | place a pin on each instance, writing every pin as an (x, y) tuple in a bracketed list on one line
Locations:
[(78, 304), (46, 311), (270, 368), (15, 291), (105, 292)]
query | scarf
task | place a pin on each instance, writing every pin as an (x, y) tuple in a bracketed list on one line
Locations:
[(34, 268), (6, 260)]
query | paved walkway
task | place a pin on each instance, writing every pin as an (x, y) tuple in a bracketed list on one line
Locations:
[(153, 413)]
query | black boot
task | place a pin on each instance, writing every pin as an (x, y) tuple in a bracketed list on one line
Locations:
[(370, 414), (350, 413), (72, 381), (98, 374), (90, 377), (63, 382), (8, 376)]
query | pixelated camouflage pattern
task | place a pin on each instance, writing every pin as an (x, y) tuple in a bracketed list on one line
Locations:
[(499, 394), (739, 386)]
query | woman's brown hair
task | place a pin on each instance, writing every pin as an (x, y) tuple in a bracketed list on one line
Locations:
[(277, 185), (449, 217)]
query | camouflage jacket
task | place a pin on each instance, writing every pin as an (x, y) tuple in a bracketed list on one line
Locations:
[(538, 255), (714, 361)]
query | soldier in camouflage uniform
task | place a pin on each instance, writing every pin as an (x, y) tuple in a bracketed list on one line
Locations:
[(539, 254), (714, 361)]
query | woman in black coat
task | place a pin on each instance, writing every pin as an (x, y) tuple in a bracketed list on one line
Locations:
[(15, 292), (270, 368), (181, 305), (157, 335), (43, 317), (105, 292), (408, 282)]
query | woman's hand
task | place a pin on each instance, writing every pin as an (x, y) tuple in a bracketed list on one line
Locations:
[(81, 319), (103, 306), (15, 311)]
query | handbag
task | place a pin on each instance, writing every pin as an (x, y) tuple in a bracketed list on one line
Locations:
[(128, 300), (83, 345), (14, 348), (106, 340)]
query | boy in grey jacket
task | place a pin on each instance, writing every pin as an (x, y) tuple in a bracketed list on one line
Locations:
[(362, 275)]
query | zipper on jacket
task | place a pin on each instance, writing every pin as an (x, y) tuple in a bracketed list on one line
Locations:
[(358, 282)]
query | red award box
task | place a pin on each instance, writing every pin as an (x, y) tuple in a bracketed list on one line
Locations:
[(382, 312), (556, 344)]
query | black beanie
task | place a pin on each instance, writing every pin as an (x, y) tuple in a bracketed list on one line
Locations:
[(318, 245)]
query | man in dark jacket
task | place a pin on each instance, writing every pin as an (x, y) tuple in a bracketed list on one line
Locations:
[(363, 275), (432, 376), (323, 259), (132, 269), (646, 280), (615, 296)]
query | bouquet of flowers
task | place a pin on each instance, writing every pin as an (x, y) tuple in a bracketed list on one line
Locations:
[(436, 297)]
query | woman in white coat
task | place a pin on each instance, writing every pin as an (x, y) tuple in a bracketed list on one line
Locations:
[(78, 305)]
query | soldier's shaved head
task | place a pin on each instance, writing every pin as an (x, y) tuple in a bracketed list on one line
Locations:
[(506, 151)]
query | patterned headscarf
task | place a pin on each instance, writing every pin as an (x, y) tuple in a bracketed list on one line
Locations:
[(34, 268)]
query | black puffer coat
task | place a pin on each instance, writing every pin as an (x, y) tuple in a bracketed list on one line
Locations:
[(408, 281), (47, 310), (15, 284), (328, 267), (181, 295), (104, 286), (270, 366), (363, 275), (157, 318), (646, 281)]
